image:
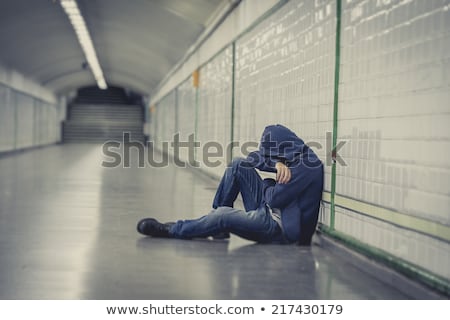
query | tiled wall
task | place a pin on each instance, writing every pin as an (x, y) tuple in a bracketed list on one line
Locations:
[(186, 115), (394, 106), (284, 74), (26, 121), (394, 111), (394, 114), (47, 119), (214, 112), (427, 252), (164, 120), (7, 120), (204, 111)]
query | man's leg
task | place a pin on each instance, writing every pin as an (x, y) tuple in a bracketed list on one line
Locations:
[(256, 225), (239, 177)]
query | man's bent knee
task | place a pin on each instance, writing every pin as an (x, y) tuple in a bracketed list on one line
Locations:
[(241, 163), (235, 165), (237, 162)]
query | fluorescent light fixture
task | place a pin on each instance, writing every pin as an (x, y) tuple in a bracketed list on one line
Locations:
[(79, 26)]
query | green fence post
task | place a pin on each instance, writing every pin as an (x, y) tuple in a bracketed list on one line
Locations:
[(335, 110)]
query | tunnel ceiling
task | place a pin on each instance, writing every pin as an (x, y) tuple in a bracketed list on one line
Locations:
[(137, 41)]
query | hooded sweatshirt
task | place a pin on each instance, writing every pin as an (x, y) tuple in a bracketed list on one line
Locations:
[(299, 199)]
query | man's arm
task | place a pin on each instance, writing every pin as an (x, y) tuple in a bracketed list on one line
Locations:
[(279, 195)]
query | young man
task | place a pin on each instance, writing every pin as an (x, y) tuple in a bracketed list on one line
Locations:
[(284, 210)]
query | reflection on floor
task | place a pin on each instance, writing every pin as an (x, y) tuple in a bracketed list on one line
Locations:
[(67, 231)]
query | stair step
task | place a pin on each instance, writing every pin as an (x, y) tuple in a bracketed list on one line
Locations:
[(94, 95), (93, 123)]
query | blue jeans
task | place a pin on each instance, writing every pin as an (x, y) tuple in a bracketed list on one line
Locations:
[(255, 223)]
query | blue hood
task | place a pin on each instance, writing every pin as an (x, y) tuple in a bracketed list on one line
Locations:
[(278, 142)]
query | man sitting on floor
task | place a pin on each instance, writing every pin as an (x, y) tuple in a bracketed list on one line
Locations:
[(284, 210)]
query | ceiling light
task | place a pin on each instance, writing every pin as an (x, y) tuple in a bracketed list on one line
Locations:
[(79, 25)]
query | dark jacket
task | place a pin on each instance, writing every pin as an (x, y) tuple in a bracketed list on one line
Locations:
[(299, 199)]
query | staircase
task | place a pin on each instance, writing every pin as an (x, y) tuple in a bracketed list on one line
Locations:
[(97, 116)]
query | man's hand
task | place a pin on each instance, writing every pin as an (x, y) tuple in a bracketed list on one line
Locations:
[(283, 173)]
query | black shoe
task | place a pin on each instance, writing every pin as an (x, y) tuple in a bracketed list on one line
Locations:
[(151, 227)]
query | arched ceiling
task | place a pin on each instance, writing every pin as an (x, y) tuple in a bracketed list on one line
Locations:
[(137, 41)]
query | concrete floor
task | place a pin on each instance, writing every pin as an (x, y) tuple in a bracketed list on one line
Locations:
[(67, 231)]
